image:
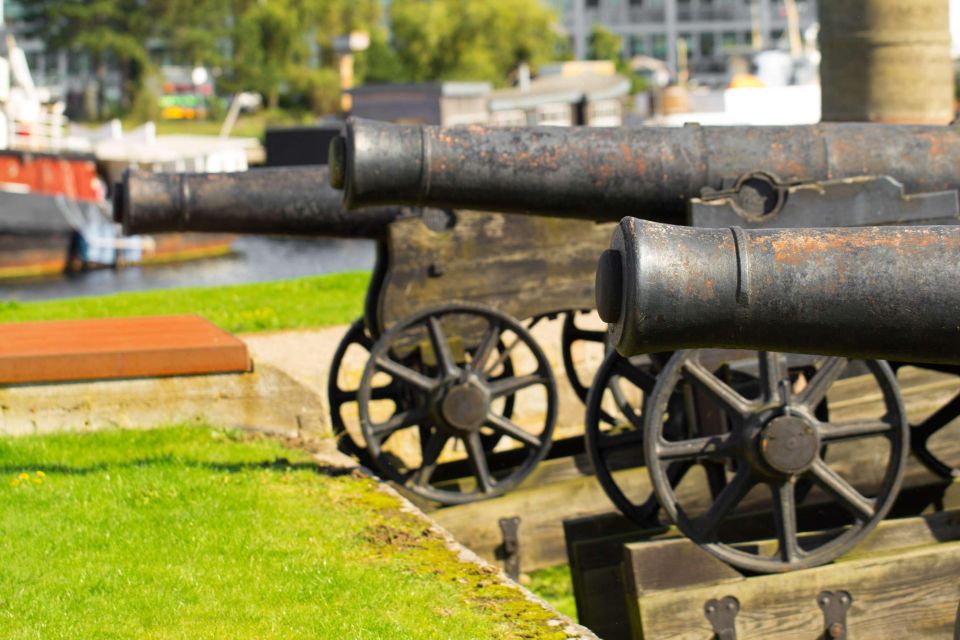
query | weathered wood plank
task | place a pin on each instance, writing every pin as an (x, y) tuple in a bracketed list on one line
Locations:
[(902, 594), (601, 571), (662, 578)]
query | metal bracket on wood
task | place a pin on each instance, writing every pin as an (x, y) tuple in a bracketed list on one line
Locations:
[(510, 529), (834, 605), (722, 615)]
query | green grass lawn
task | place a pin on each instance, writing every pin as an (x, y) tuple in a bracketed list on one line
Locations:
[(200, 533), (316, 301), (556, 587)]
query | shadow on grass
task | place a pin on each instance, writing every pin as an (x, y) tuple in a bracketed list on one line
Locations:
[(280, 464)]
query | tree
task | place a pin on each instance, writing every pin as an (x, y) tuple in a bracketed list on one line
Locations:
[(471, 39), (101, 28), (604, 44)]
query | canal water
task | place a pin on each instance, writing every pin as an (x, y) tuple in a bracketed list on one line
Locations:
[(254, 259)]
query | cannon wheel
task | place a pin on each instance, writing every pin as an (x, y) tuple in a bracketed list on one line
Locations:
[(921, 432), (339, 397), (621, 446), (775, 440), (573, 334), (455, 400)]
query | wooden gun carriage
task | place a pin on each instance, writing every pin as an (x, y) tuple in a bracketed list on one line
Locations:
[(465, 275), (748, 177)]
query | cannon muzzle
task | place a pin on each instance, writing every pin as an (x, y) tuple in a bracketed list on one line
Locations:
[(871, 292), (282, 201), (605, 174)]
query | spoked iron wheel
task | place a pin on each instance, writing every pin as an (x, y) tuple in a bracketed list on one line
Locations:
[(573, 334), (463, 367), (581, 381), (613, 445), (620, 445), (775, 441), (942, 460), (340, 397)]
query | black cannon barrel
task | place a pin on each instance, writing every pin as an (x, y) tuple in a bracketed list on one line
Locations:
[(606, 174), (287, 201), (872, 292)]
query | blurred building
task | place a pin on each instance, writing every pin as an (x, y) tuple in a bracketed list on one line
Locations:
[(564, 94), (709, 28)]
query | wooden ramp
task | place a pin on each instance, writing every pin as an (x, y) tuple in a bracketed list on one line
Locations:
[(75, 350)]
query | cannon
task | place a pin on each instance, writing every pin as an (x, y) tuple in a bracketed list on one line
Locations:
[(445, 333), (854, 294), (606, 174), (830, 175)]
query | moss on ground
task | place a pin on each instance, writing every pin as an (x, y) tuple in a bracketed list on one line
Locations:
[(556, 587)]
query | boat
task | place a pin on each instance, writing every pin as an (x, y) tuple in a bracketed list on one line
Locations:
[(54, 177)]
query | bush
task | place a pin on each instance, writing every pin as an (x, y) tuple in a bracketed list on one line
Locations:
[(316, 89)]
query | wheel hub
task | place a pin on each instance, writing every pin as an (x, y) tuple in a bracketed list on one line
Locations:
[(464, 406), (789, 444)]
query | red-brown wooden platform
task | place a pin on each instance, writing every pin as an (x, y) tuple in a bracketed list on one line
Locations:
[(74, 350)]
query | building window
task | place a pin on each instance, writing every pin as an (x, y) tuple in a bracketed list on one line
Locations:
[(707, 44), (509, 118), (605, 113), (555, 115), (592, 4), (659, 48), (728, 40), (638, 46)]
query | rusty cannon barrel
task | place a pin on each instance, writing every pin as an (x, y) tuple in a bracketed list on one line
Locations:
[(284, 201), (605, 174), (869, 292)]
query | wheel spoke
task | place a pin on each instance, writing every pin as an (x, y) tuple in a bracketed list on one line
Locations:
[(772, 375), (631, 437), (441, 348), (398, 421), (938, 420), (343, 396), (586, 335), (405, 373), (501, 358), (705, 447), (727, 501), (637, 376), (814, 393), (430, 453), (735, 404), (478, 462), (487, 343), (833, 431), (716, 476), (511, 385), (840, 489), (512, 429), (785, 520)]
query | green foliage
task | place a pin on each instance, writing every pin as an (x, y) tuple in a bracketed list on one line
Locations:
[(471, 39), (205, 533), (317, 89), (379, 63), (555, 585), (603, 44), (288, 304)]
